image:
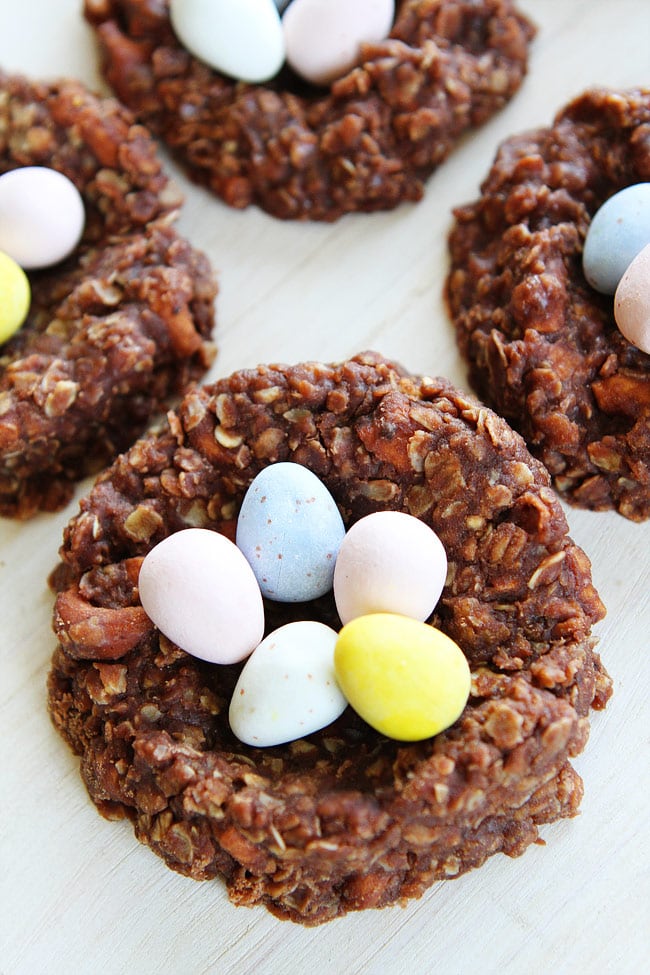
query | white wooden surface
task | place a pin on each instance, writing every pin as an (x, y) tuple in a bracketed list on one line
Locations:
[(78, 894)]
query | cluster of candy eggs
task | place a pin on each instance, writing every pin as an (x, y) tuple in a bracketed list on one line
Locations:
[(616, 259), (42, 219), (250, 40), (405, 678)]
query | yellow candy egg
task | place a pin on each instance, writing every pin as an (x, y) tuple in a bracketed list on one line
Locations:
[(408, 680), (15, 297)]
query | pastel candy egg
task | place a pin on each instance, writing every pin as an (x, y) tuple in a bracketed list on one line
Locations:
[(287, 688), (42, 216), (632, 302), (290, 530), (322, 37), (241, 38), (199, 590), (406, 679), (618, 231), (15, 295), (389, 562)]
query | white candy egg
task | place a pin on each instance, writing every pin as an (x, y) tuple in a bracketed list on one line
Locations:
[(322, 38), (42, 216), (389, 562), (241, 38), (287, 688), (199, 590)]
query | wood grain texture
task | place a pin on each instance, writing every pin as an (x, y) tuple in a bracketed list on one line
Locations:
[(79, 895)]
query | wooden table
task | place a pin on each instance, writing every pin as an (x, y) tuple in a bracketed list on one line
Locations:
[(80, 895)]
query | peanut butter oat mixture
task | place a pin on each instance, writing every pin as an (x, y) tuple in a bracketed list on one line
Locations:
[(344, 819), (115, 329), (366, 143), (542, 345)]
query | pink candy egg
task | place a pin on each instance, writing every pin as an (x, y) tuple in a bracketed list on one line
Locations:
[(389, 562), (199, 590), (322, 38), (42, 216), (632, 302)]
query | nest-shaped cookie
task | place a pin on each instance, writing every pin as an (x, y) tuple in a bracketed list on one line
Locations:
[(542, 345), (366, 143), (116, 328), (343, 819)]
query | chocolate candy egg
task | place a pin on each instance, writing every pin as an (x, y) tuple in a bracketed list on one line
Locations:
[(632, 302), (241, 38), (287, 688), (618, 231), (406, 679), (15, 295), (199, 590), (41, 216), (389, 562), (290, 530), (322, 38)]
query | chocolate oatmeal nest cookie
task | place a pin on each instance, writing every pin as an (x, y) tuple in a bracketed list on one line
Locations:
[(344, 819), (366, 143), (542, 345), (116, 328)]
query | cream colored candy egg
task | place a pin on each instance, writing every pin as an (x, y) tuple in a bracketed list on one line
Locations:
[(287, 688), (199, 590), (389, 562), (15, 295), (406, 679), (42, 216), (632, 302), (323, 37), (241, 38)]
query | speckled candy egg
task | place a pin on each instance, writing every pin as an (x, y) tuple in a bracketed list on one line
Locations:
[(632, 302), (389, 562), (290, 530), (287, 688), (42, 216), (241, 38), (199, 590), (618, 231), (322, 38), (408, 680)]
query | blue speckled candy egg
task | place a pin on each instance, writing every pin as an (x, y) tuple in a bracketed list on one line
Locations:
[(290, 530), (617, 233)]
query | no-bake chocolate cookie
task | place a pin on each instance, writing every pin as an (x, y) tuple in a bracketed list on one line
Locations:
[(118, 326), (344, 819), (542, 345), (366, 143)]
